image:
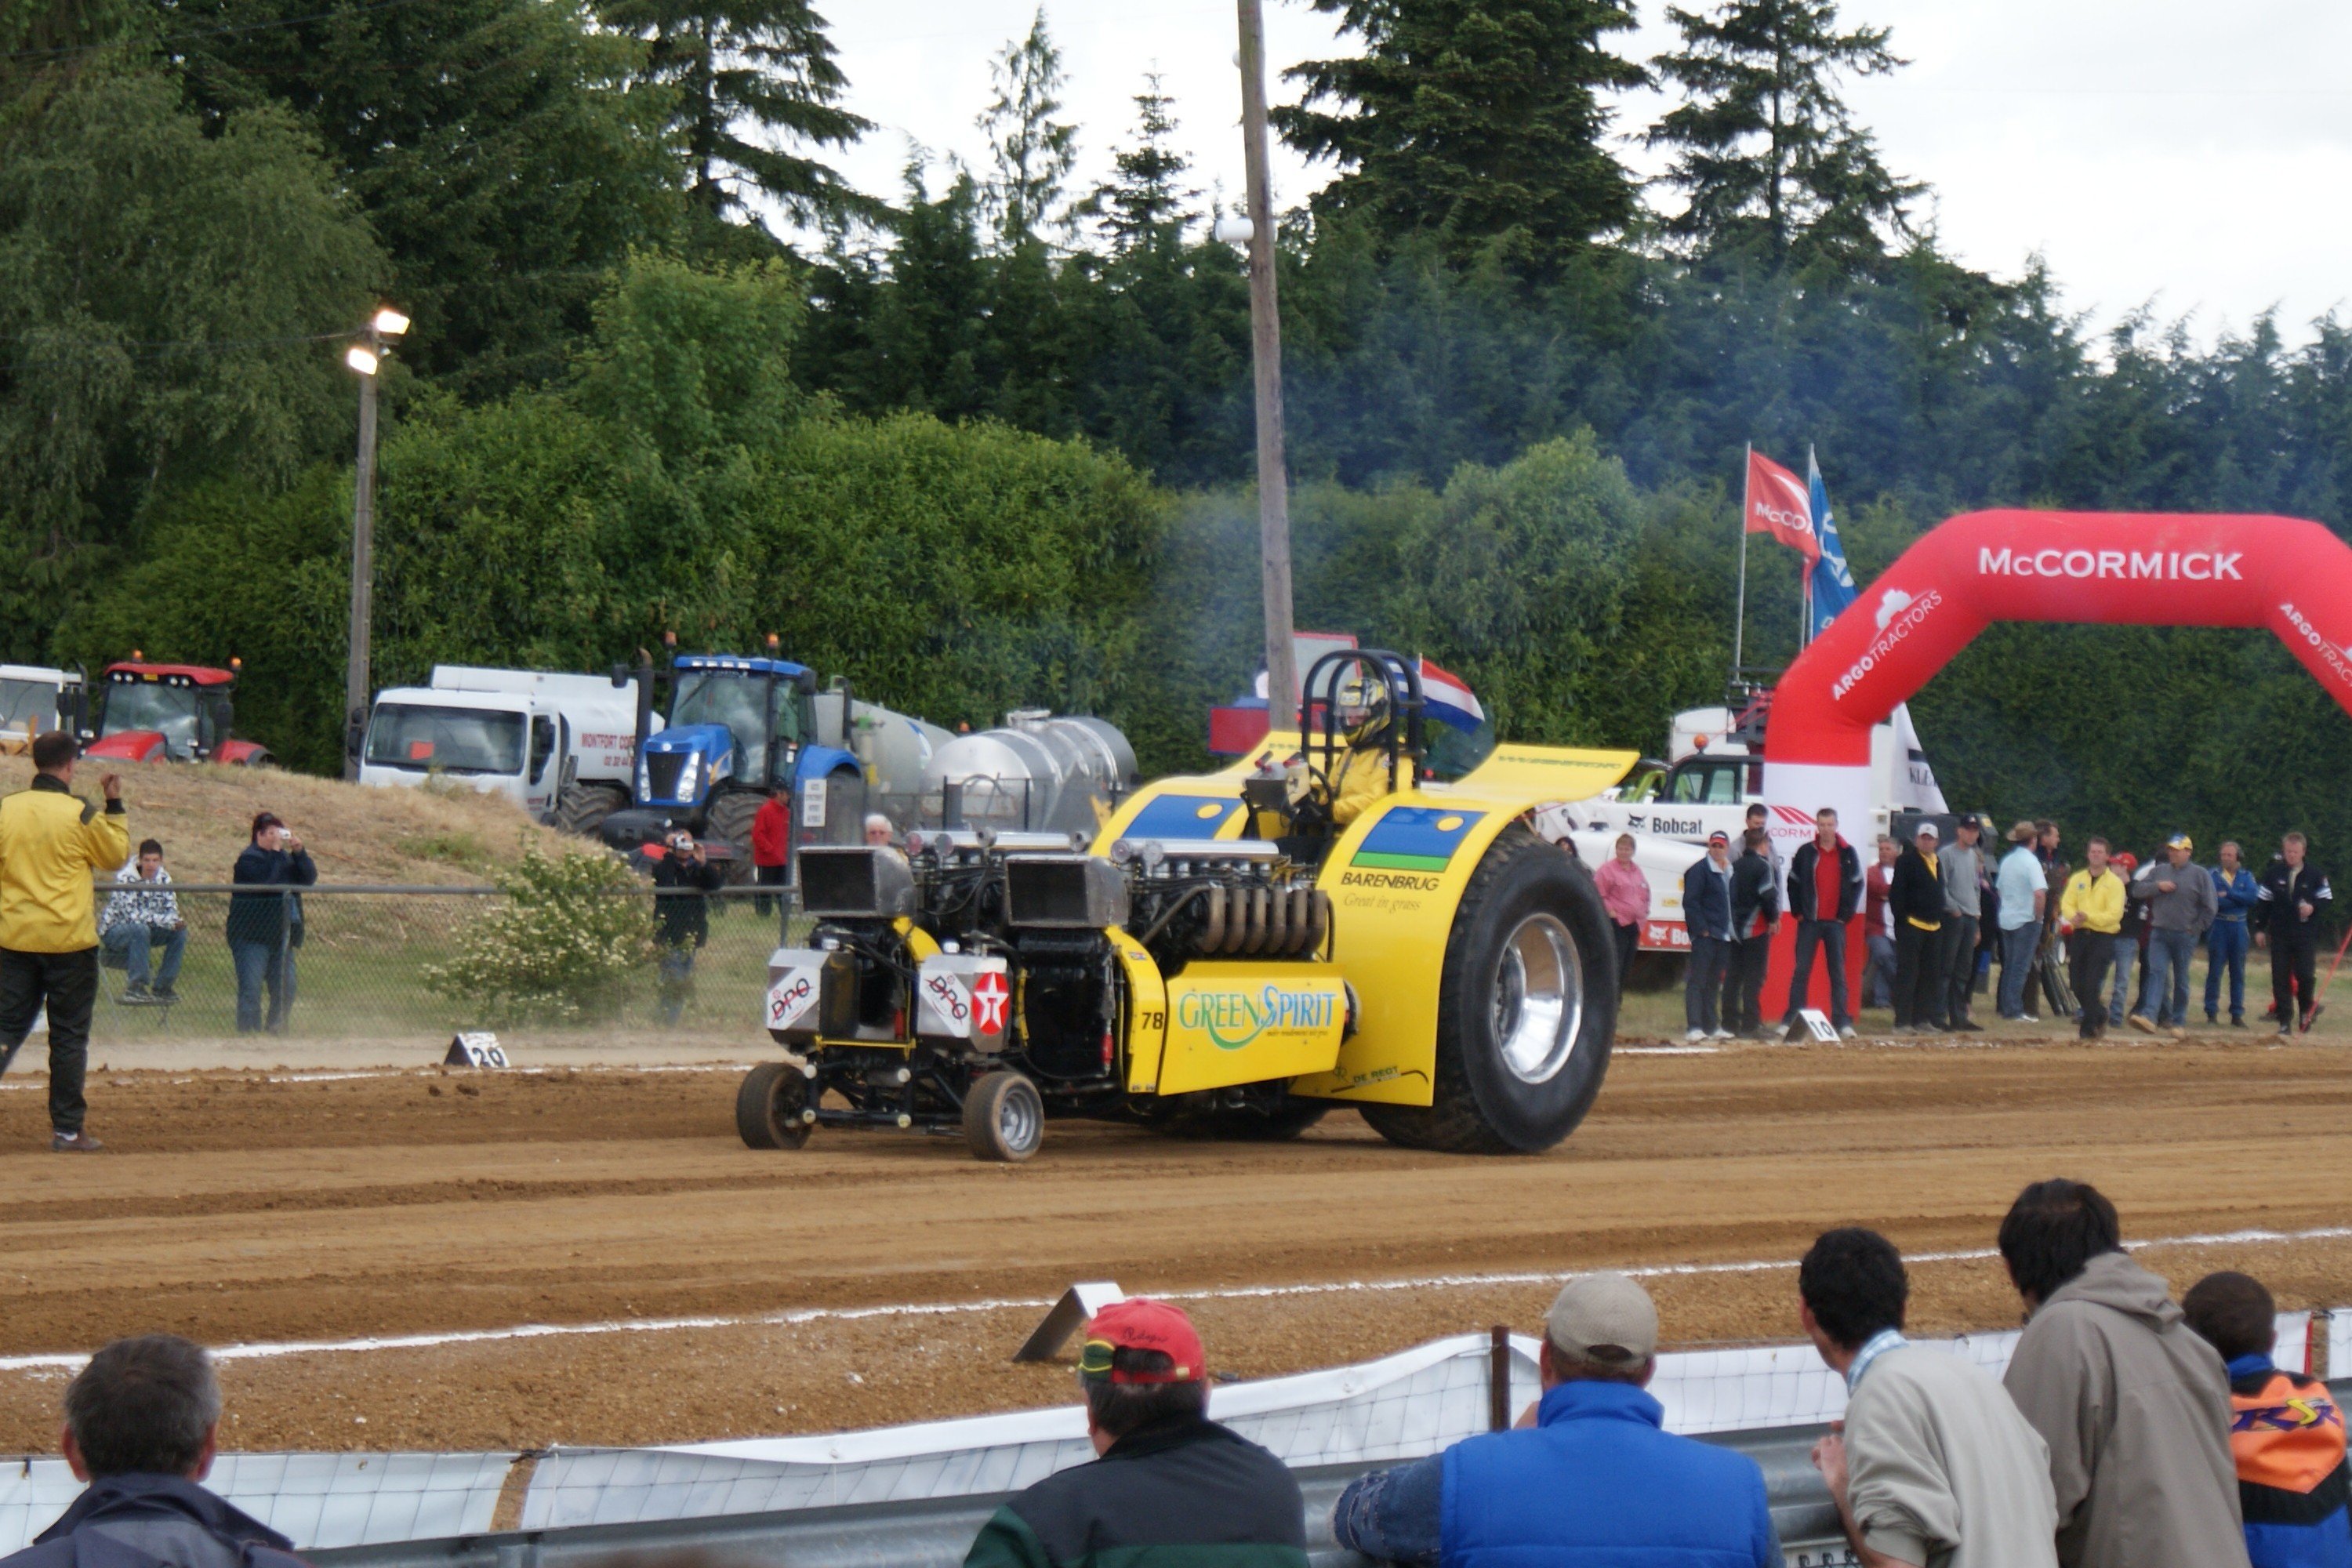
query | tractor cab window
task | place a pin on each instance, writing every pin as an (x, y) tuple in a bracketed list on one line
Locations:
[(788, 708), (1708, 781), (418, 739), (170, 711), (736, 699), (542, 747)]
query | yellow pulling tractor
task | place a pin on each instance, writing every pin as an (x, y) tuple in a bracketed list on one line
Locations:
[(1235, 956)]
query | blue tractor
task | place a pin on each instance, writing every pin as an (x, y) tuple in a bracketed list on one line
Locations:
[(739, 727)]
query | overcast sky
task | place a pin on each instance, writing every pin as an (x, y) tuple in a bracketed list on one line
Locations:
[(2193, 156)]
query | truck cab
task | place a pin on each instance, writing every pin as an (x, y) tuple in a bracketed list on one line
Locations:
[(170, 712), (525, 734), (34, 700)]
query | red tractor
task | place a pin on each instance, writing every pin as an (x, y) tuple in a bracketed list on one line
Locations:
[(170, 712)]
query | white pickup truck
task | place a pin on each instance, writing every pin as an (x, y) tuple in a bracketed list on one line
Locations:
[(1711, 777), (527, 734)]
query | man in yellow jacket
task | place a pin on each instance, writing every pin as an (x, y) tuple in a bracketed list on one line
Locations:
[(50, 844), (2092, 908)]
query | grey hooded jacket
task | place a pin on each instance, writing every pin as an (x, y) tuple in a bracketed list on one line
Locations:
[(2135, 1409)]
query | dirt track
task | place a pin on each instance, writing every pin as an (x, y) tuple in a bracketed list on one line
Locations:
[(241, 1209)]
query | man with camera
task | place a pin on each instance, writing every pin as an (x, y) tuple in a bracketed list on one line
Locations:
[(682, 875)]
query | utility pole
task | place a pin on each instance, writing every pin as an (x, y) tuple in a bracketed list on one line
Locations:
[(1266, 353), (366, 357)]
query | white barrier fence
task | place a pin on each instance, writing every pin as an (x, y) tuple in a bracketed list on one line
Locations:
[(1399, 1407)]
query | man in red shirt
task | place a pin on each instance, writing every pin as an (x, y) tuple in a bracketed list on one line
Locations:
[(771, 847), (1825, 883)]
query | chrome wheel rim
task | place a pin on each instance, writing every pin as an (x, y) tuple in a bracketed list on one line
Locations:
[(1020, 1119), (1538, 999)]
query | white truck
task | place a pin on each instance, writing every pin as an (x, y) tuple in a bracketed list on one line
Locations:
[(1713, 773), (531, 735), (34, 700)]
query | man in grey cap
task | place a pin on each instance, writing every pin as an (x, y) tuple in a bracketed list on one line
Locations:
[(1589, 1475)]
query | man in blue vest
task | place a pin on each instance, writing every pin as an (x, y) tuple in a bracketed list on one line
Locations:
[(1590, 1478), (2235, 893)]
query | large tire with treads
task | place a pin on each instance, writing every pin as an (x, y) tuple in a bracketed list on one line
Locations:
[(583, 808), (730, 823), (1527, 1008)]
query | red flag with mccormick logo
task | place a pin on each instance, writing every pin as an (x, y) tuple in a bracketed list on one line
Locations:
[(1780, 504)]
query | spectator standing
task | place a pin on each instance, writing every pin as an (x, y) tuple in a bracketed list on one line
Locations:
[(2288, 903), (1593, 1479), (265, 929), (2048, 846), (1755, 920), (1625, 894), (1960, 868), (50, 843), (2131, 941), (1915, 902), (1934, 1463), (2134, 1406), (772, 850), (2023, 896), (1825, 888), (1759, 821), (2286, 1433), (879, 834), (143, 1423), (2234, 895), (682, 916), (145, 915), (1878, 945), (1167, 1484), (1706, 920), (2179, 895), (2092, 910)]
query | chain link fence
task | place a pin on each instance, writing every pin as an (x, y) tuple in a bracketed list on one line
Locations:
[(362, 963)]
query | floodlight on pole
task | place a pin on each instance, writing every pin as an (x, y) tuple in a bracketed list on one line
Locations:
[(366, 356)]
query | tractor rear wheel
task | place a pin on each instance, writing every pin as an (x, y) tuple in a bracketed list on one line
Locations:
[(583, 808), (768, 1107), (1527, 1008), (1004, 1118)]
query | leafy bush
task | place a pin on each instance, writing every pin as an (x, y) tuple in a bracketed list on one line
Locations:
[(560, 946)]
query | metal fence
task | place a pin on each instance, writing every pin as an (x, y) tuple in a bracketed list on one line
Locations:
[(363, 966)]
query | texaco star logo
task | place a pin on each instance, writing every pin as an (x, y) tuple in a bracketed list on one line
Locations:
[(990, 997)]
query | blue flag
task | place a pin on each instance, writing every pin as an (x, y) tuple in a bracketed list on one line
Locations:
[(1833, 582)]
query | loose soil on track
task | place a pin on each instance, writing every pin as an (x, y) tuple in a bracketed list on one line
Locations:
[(245, 1208)]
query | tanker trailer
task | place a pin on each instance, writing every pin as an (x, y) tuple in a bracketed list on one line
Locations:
[(1034, 773)]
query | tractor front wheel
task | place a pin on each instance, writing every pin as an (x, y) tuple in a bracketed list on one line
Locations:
[(583, 808), (768, 1107), (1004, 1118), (730, 823), (1527, 1008)]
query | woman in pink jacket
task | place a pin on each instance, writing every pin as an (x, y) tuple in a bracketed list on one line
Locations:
[(1626, 893)]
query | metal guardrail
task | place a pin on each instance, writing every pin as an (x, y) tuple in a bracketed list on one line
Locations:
[(937, 1534)]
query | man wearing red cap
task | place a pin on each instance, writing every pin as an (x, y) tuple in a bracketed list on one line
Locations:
[(1166, 1482)]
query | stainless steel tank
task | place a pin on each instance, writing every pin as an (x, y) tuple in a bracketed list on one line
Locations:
[(1035, 773)]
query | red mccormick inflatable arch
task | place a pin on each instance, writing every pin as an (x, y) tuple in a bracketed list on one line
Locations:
[(2291, 577)]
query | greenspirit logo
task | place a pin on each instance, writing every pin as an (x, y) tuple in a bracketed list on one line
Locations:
[(1232, 1019)]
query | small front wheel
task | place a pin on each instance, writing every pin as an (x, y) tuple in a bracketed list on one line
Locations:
[(1004, 1118), (768, 1107)]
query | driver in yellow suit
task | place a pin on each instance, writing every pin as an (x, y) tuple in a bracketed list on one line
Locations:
[(1363, 775)]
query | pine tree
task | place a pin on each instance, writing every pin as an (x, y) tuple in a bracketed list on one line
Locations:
[(1144, 194), (738, 64), (1477, 119), (1032, 153), (1764, 147)]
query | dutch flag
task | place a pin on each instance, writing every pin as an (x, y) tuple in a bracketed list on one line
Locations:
[(1449, 699)]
